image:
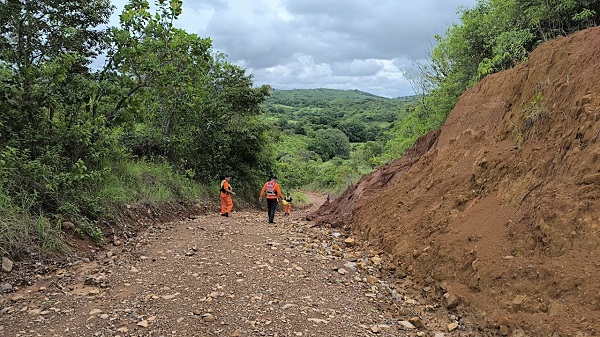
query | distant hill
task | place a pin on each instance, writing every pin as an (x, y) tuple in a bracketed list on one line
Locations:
[(362, 116), (327, 138), (308, 97)]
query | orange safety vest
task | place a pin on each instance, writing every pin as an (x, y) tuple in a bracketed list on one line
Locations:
[(270, 189)]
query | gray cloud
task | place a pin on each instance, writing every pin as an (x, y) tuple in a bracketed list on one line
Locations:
[(356, 68), (350, 44)]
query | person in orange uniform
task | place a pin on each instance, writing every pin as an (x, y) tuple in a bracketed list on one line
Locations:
[(226, 193), (273, 192), (287, 204)]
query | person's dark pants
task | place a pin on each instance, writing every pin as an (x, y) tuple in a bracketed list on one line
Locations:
[(271, 208)]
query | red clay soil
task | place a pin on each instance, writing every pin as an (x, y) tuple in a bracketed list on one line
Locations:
[(501, 207)]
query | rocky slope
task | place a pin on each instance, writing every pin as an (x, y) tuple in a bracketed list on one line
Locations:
[(501, 207)]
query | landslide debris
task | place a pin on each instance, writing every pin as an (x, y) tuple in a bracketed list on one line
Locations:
[(502, 204)]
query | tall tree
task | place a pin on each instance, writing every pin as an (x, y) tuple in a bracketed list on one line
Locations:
[(42, 42), (185, 100), (46, 132)]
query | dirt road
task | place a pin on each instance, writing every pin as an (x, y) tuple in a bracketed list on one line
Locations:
[(237, 276)]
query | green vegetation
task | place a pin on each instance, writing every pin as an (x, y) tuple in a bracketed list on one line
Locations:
[(162, 118), (492, 36), (360, 116), (165, 116), (327, 139)]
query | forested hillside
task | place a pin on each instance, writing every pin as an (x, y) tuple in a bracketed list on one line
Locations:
[(326, 139), (361, 116)]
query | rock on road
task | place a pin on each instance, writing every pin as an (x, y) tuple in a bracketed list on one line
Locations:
[(237, 276)]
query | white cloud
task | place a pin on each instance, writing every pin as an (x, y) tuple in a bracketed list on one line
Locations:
[(350, 44)]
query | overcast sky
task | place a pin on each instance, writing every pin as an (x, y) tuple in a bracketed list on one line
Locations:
[(337, 44)]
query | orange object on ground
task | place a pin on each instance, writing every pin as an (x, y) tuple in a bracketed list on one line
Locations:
[(287, 204)]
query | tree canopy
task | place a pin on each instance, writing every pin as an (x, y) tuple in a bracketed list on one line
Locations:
[(68, 130)]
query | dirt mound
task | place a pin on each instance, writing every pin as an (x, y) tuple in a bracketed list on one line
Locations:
[(502, 207)]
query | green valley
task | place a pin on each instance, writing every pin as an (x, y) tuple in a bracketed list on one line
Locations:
[(325, 139)]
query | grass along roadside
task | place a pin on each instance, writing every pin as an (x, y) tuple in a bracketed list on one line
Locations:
[(31, 231)]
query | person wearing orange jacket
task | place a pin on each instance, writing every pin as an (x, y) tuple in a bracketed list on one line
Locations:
[(273, 192), (226, 193), (287, 204)]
